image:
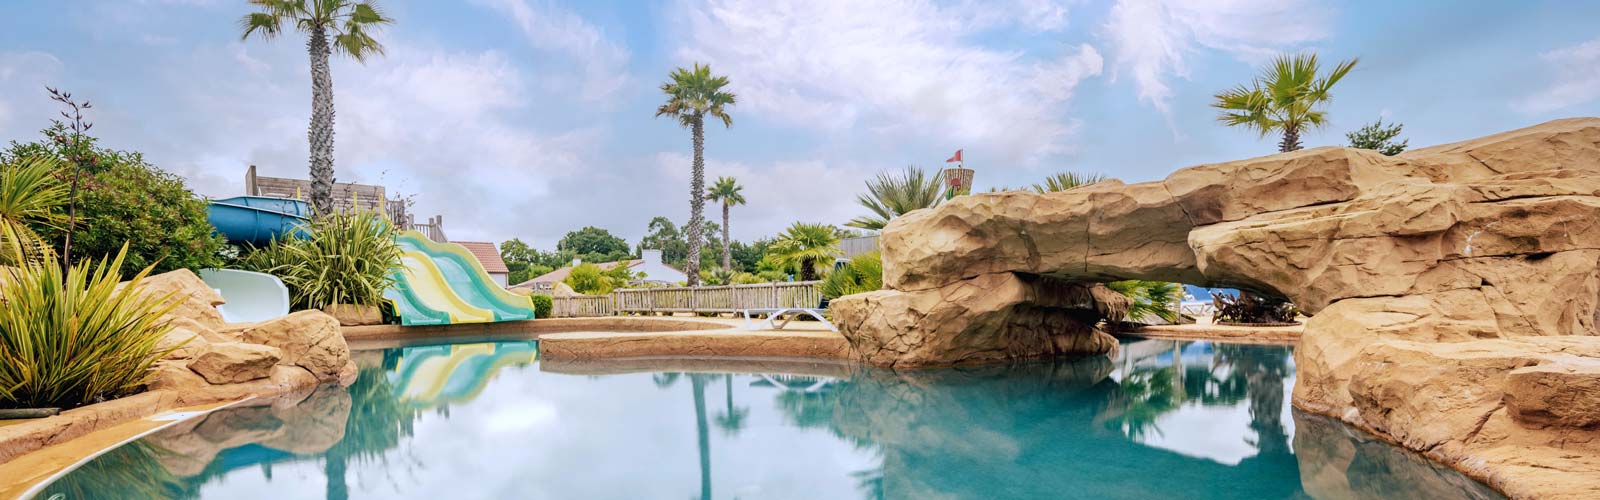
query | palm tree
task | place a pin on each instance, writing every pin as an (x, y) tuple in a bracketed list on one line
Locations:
[(351, 23), (726, 191), (30, 196), (807, 248), (891, 196), (1287, 98), (691, 96), (1065, 181)]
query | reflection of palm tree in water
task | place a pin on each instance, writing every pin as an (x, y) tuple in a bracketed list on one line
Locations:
[(731, 420), (697, 382), (378, 421), (1263, 369)]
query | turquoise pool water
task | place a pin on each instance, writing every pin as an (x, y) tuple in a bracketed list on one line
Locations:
[(1164, 419)]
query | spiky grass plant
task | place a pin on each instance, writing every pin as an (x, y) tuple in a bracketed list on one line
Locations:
[(72, 337), (345, 258), (864, 273), (30, 196)]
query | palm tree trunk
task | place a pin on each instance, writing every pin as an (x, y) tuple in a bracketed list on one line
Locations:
[(697, 203), (1291, 140), (727, 263), (320, 134)]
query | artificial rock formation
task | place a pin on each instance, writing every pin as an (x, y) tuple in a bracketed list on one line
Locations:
[(214, 360), (1475, 252)]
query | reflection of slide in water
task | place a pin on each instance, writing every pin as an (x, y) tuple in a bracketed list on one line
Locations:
[(430, 376)]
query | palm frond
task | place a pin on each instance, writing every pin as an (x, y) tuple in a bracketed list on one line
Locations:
[(1065, 181), (891, 195)]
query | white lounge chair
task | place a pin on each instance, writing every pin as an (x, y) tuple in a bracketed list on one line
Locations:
[(773, 314)]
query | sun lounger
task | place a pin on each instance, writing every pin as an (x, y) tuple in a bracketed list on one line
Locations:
[(787, 314)]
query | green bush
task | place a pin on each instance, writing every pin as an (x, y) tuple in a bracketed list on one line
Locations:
[(124, 200), (543, 306), (73, 337), (589, 279), (346, 258), (864, 273)]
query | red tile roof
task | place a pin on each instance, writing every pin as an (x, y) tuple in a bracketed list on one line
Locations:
[(487, 255)]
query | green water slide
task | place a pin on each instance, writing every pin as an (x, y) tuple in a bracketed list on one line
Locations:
[(442, 283)]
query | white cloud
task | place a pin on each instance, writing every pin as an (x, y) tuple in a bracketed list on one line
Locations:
[(448, 126), (901, 68), (1152, 40), (1576, 81), (779, 192), (552, 28)]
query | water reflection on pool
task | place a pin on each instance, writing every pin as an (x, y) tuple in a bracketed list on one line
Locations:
[(1164, 419)]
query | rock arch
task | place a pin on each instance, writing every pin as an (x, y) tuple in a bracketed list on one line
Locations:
[(1472, 263)]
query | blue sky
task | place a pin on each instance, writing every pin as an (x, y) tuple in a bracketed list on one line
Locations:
[(530, 118)]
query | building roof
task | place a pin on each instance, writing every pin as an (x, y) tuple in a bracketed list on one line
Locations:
[(487, 255), (560, 275)]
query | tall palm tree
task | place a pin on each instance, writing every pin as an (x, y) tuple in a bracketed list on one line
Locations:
[(809, 249), (692, 95), (892, 195), (1065, 181), (351, 23), (30, 197), (1290, 96), (726, 191)]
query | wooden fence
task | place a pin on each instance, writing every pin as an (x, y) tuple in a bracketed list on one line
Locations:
[(718, 299), (583, 307)]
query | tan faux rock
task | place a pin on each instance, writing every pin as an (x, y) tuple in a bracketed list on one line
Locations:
[(195, 300), (233, 362), (1491, 243), (309, 339), (1559, 393), (993, 317), (183, 342), (354, 315)]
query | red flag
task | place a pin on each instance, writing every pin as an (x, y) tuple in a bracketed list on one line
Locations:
[(955, 158)]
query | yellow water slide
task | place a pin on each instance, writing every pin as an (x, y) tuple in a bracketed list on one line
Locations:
[(424, 280)]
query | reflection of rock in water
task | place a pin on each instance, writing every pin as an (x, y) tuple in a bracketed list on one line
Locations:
[(1338, 463), (294, 423), (1026, 431)]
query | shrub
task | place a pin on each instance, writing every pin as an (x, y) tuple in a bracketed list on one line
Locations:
[(1252, 308), (543, 306), (72, 337), (864, 273), (589, 279), (345, 258), (124, 200)]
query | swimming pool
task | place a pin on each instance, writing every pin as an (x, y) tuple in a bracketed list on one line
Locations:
[(1164, 419)]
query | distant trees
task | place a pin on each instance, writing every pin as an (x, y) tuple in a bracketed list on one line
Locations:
[(1378, 137), (1289, 97), (594, 245)]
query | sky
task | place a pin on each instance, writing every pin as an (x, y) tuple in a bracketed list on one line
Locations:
[(531, 118)]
